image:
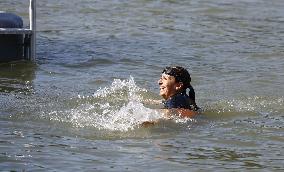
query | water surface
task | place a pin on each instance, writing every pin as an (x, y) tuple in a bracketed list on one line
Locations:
[(81, 105)]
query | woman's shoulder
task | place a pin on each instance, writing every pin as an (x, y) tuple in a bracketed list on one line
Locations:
[(177, 101)]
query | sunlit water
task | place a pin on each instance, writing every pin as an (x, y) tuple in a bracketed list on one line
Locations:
[(81, 106)]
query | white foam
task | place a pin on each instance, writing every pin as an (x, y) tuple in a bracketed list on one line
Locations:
[(117, 107)]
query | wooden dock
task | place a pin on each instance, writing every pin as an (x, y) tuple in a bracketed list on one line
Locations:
[(29, 34)]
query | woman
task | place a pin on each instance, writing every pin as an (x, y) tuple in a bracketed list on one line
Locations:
[(173, 84)]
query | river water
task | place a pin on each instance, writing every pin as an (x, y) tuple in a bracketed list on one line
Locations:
[(80, 106)]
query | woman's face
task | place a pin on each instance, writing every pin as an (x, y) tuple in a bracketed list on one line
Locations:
[(168, 86)]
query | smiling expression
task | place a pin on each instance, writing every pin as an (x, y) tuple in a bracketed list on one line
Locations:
[(168, 86)]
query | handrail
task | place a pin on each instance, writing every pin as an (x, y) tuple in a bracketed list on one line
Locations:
[(32, 11)]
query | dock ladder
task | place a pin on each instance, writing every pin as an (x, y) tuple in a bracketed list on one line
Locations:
[(29, 34)]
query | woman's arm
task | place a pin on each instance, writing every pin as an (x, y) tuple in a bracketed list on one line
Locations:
[(171, 114), (178, 112)]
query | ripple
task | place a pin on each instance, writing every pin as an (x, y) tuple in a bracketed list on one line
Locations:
[(93, 62)]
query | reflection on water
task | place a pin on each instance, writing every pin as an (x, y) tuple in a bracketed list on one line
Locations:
[(17, 77)]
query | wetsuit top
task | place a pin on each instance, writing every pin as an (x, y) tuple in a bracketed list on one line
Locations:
[(180, 100)]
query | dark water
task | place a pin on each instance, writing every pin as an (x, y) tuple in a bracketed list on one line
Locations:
[(79, 108)]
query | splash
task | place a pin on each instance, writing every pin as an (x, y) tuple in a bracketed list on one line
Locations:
[(118, 107)]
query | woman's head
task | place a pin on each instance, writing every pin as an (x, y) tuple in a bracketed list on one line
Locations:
[(174, 80)]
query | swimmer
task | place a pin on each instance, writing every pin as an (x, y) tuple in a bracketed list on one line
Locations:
[(173, 83)]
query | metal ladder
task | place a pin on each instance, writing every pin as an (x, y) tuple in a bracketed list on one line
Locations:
[(28, 34)]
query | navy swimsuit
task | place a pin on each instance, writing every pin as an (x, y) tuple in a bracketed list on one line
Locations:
[(180, 100)]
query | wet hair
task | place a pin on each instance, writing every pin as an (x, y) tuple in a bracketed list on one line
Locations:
[(182, 75)]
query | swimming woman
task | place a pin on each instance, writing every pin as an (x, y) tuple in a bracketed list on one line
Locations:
[(173, 83)]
